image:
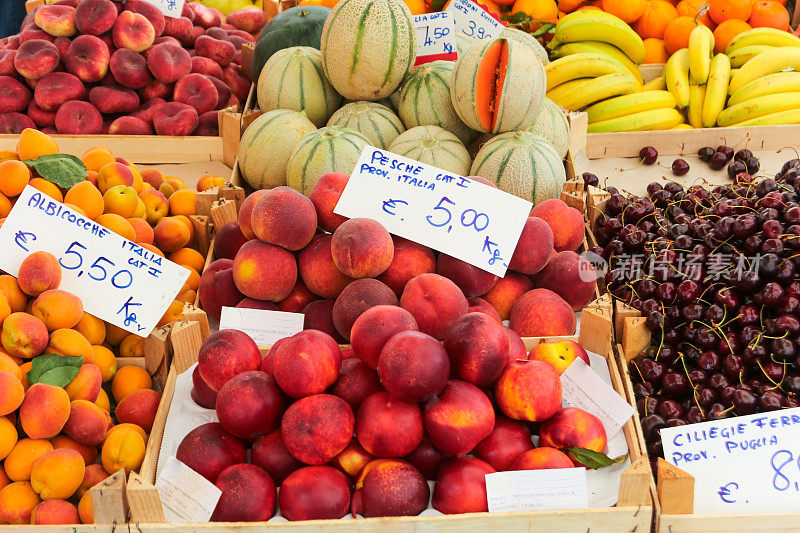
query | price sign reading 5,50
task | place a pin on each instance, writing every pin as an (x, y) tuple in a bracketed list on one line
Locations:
[(452, 214)]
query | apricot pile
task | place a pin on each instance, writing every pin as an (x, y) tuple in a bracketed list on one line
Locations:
[(361, 430), (56, 442)]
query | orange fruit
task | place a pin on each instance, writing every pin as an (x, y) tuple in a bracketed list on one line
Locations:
[(627, 10), (656, 18), (676, 36), (696, 8), (655, 51), (769, 14), (726, 31), (539, 10), (722, 10), (568, 6)]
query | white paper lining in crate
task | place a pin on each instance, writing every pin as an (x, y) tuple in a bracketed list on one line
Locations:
[(184, 415)]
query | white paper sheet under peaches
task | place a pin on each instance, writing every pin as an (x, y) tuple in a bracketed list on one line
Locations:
[(185, 415)]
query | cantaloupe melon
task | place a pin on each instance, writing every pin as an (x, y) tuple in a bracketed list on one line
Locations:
[(551, 124), (498, 86), (528, 40), (374, 121), (523, 164), (425, 100), (268, 143), (368, 47), (329, 149), (293, 79), (434, 146)]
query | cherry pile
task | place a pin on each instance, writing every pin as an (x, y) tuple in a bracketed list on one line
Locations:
[(716, 273)]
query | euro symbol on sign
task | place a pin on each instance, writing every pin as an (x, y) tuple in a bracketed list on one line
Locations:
[(21, 238), (392, 204), (725, 492)]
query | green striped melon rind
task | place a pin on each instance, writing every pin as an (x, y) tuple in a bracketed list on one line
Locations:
[(268, 143), (523, 164), (329, 149), (425, 100), (293, 79), (435, 146), (528, 40), (551, 124), (368, 47), (374, 121), (522, 94)]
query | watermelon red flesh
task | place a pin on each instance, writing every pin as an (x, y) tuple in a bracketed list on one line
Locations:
[(491, 78)]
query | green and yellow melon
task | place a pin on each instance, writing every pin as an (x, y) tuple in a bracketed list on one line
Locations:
[(293, 79), (434, 146), (374, 121), (368, 47), (528, 40), (523, 164), (268, 143), (329, 149), (551, 124), (425, 100), (498, 86)]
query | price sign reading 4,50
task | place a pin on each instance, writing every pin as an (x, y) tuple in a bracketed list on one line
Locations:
[(435, 37), (455, 215), (117, 280)]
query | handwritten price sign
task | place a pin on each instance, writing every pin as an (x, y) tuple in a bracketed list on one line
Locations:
[(117, 280), (460, 217), (473, 21), (170, 8), (747, 465), (436, 38)]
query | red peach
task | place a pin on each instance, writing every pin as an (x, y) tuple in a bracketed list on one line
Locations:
[(427, 458), (542, 313), (78, 118), (559, 354), (507, 291), (565, 221), (315, 429), (352, 460), (249, 404), (223, 92), (307, 363), (251, 303), (216, 49), (207, 124), (478, 348), (264, 271), (225, 354), (284, 217), (270, 453), (355, 299), (129, 126), (413, 366), (204, 65), (459, 418), (570, 276), (540, 458), (175, 118), (114, 99), (516, 346), (129, 68), (197, 91), (209, 450), (15, 123), (133, 31), (317, 269), (529, 390), (392, 488), (356, 382), (470, 279), (314, 493), (435, 302), (508, 440), (36, 58), (57, 88), (150, 11), (14, 96), (461, 486), (235, 78), (217, 288), (40, 116), (533, 248), (246, 213), (248, 495), (362, 248), (319, 316), (387, 426), (479, 305), (325, 195), (57, 20), (202, 394), (95, 17), (179, 28), (298, 299), (157, 89), (87, 58), (250, 19), (573, 428), (7, 62), (375, 327)]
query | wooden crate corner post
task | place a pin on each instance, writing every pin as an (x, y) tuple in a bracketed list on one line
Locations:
[(109, 501), (222, 212), (158, 354), (230, 129), (192, 313), (595, 334), (202, 232), (144, 502), (186, 339), (634, 484), (234, 193), (675, 489), (635, 337)]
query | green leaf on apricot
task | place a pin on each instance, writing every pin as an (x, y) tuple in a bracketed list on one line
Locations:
[(54, 369), (63, 170), (592, 459)]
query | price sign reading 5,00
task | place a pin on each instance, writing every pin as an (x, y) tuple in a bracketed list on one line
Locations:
[(117, 280), (452, 214)]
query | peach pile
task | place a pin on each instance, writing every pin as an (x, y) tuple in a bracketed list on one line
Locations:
[(56, 442), (103, 66), (291, 253), (360, 430)]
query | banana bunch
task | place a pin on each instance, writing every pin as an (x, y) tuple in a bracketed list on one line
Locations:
[(598, 32), (646, 110), (749, 44), (579, 80)]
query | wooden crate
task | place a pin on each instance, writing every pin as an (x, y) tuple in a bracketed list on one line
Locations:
[(633, 513)]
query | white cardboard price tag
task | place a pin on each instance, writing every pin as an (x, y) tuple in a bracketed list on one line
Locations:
[(117, 280), (743, 465), (264, 327), (170, 8), (582, 387), (435, 37), (186, 496), (537, 490), (473, 21), (452, 214)]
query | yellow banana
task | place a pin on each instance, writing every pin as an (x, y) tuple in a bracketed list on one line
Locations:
[(682, 127), (629, 103), (697, 94), (742, 55), (769, 62), (600, 27), (701, 50), (757, 107), (656, 84), (780, 82), (654, 119), (762, 36), (596, 89), (557, 92), (774, 119), (580, 66), (676, 76), (599, 47), (716, 89)]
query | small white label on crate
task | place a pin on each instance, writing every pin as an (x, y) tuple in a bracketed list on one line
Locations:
[(582, 387), (170, 8), (742, 465), (449, 213), (264, 327), (436, 37), (117, 280), (473, 21), (186, 496), (537, 490)]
